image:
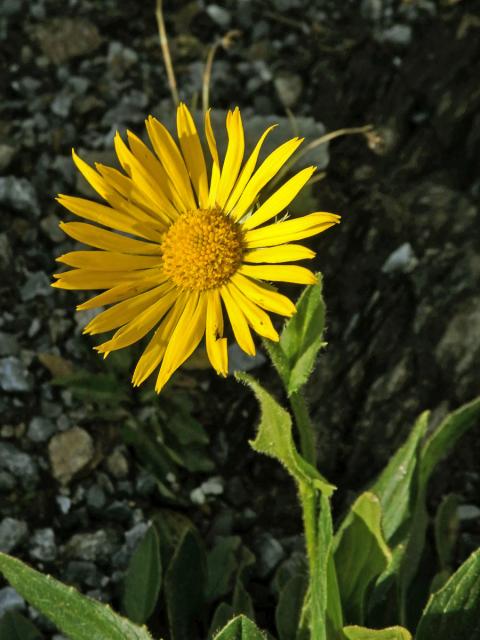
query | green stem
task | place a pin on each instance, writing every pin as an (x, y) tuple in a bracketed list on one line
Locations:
[(308, 445), (310, 519)]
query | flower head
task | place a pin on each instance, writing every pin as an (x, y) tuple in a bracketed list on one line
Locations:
[(175, 251)]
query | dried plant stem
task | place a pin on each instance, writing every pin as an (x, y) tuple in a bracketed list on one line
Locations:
[(172, 83), (316, 143), (224, 42)]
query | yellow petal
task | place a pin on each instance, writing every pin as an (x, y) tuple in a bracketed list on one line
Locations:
[(141, 325), (212, 145), (125, 311), (215, 342), (291, 230), (256, 317), (108, 217), (155, 168), (89, 280), (269, 167), (108, 261), (144, 180), (280, 199), (264, 296), (282, 253), (282, 273), (92, 177), (233, 157), (172, 161), (121, 292), (107, 240), (247, 171), (193, 153), (239, 323), (153, 354), (184, 339)]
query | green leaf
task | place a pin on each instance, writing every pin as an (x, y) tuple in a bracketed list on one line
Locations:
[(240, 628), (301, 339), (274, 438), (446, 529), (289, 607), (185, 586), (361, 554), (14, 626), (223, 614), (143, 578), (362, 633), (221, 566), (397, 484), (242, 602), (453, 612), (77, 616), (446, 435)]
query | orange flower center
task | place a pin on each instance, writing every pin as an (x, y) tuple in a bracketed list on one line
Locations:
[(202, 249)]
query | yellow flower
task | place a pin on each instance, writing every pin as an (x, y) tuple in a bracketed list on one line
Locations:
[(184, 249)]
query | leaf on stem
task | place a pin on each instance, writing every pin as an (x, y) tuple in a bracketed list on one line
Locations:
[(240, 628), (362, 633), (274, 438)]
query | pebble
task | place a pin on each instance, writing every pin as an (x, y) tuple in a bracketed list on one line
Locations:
[(6, 156), (37, 284), (269, 552), (20, 465), (6, 254), (219, 15), (398, 34), (42, 545), (14, 375), (117, 464), (69, 453), (96, 498), (8, 344), (10, 600), (401, 260), (83, 573), (40, 429), (19, 194), (12, 533), (289, 88), (92, 547)]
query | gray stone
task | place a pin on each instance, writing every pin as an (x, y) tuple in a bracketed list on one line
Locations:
[(7, 481), (18, 464), (6, 156), (43, 545), (8, 344), (402, 259), (372, 9), (6, 254), (92, 547), (83, 573), (117, 464), (289, 88), (468, 512), (10, 600), (64, 503), (19, 194), (51, 228), (12, 533), (61, 105), (69, 453), (238, 360), (270, 552), (14, 375), (40, 429), (135, 534), (37, 284), (219, 15), (96, 497), (398, 34)]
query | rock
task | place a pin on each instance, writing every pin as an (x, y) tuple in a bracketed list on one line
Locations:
[(14, 375), (289, 88), (402, 259), (83, 573), (92, 547), (117, 464), (398, 34), (5, 252), (12, 533), (61, 105), (40, 429), (19, 194), (372, 9), (135, 534), (18, 464), (219, 15), (238, 360), (269, 553), (64, 503), (468, 512), (43, 545), (69, 453), (50, 227), (7, 481), (10, 600), (8, 344), (64, 38), (37, 284), (96, 498), (6, 156)]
